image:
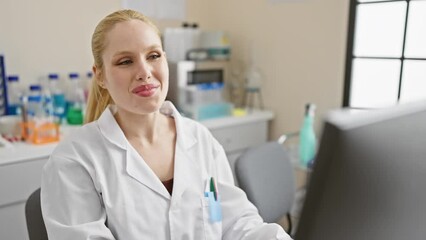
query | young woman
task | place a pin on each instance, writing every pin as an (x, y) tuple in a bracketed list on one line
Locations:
[(139, 170)]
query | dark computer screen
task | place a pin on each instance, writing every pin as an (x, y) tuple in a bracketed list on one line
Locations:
[(369, 178)]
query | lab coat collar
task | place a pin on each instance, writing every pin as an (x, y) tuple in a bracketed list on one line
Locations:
[(185, 167), (185, 136), (110, 128), (112, 131)]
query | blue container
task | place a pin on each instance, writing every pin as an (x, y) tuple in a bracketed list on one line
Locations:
[(213, 110)]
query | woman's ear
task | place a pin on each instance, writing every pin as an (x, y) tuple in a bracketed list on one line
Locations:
[(97, 72)]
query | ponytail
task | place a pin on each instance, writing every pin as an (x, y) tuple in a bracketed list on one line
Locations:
[(97, 102)]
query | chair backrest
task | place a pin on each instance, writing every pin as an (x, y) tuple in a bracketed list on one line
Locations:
[(266, 174), (35, 222)]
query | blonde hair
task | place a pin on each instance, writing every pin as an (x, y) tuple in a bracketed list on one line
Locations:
[(99, 98)]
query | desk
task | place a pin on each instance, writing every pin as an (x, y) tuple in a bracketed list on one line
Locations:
[(21, 166)]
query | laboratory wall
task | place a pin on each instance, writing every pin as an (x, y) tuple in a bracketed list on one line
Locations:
[(298, 45)]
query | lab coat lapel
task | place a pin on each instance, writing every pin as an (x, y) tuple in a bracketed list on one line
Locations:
[(134, 164), (137, 168), (187, 172)]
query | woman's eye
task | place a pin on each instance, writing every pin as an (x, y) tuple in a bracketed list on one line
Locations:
[(125, 62), (154, 56)]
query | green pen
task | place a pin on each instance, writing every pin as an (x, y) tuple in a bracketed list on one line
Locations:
[(213, 188)]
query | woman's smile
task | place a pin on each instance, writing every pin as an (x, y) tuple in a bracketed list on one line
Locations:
[(146, 90)]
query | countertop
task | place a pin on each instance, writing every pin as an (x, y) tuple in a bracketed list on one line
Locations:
[(21, 152)]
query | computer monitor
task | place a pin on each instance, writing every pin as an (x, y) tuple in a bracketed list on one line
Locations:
[(369, 178)]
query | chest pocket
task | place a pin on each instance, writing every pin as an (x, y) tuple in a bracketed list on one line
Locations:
[(212, 230)]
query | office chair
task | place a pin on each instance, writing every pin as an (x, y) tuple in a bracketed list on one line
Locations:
[(265, 173), (35, 222)]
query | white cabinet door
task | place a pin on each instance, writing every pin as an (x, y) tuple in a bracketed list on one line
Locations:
[(17, 182), (240, 137), (12, 222)]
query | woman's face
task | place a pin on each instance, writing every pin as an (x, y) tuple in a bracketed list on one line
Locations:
[(135, 67)]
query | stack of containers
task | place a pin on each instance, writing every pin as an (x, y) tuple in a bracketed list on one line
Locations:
[(205, 101), (179, 41)]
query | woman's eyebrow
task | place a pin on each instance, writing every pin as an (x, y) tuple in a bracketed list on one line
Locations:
[(153, 47), (121, 53), (148, 49)]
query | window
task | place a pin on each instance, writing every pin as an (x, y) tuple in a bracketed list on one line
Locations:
[(386, 53)]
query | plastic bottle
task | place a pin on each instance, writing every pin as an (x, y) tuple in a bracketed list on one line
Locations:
[(75, 101), (47, 103), (58, 95), (35, 106), (87, 85), (34, 90), (307, 144), (14, 94)]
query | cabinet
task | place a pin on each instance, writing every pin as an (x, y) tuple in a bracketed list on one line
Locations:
[(21, 166), (20, 175)]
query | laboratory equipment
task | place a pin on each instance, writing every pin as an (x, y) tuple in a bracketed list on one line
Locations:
[(184, 74)]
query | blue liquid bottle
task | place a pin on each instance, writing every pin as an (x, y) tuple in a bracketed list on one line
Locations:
[(58, 95), (307, 144)]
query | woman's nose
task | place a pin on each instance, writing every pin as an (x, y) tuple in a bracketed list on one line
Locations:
[(143, 70)]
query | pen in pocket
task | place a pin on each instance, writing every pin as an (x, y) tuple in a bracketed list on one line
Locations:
[(213, 188)]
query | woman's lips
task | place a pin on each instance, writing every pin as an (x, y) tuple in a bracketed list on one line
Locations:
[(145, 90)]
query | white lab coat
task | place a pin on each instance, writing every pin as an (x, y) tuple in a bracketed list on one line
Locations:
[(96, 186)]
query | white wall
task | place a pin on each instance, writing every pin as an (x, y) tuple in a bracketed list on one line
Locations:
[(299, 44), (42, 36)]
